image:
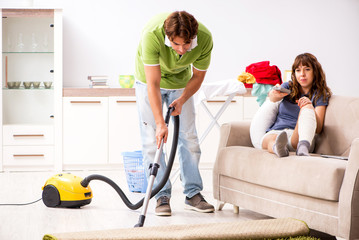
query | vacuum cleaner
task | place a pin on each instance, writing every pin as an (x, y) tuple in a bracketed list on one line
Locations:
[(67, 190)]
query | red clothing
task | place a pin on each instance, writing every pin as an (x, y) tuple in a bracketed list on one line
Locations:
[(264, 73)]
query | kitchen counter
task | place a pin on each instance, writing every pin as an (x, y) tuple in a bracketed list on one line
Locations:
[(107, 92), (97, 92)]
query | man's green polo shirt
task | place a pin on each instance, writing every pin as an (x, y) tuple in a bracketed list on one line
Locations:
[(175, 70)]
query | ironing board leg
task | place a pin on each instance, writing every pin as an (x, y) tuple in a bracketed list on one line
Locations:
[(216, 117)]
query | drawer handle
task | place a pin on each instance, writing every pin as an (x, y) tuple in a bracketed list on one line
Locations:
[(125, 101), (28, 135), (219, 101), (28, 155), (85, 101)]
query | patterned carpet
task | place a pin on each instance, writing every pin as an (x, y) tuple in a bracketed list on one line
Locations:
[(253, 229)]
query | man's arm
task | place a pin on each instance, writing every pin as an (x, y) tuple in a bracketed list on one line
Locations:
[(153, 79), (191, 88)]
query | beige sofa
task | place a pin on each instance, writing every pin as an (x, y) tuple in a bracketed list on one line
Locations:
[(323, 192)]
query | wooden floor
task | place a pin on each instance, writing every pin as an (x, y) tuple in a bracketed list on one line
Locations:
[(106, 211)]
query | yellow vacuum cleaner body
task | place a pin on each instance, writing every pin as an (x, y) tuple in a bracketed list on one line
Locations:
[(65, 190)]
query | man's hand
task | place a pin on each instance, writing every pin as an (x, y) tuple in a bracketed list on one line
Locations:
[(161, 133), (177, 105)]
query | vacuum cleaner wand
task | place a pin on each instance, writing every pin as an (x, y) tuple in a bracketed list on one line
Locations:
[(149, 192), (153, 173)]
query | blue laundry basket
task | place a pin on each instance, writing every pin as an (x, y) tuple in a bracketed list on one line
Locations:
[(135, 171)]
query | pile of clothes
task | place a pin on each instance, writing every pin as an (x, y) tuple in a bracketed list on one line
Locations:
[(261, 77)]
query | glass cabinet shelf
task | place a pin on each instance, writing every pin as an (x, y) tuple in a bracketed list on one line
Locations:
[(27, 89), (26, 52)]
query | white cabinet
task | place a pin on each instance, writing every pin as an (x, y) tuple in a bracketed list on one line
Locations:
[(85, 130), (124, 133), (31, 115), (96, 130)]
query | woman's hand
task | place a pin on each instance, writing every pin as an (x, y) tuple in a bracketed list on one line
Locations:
[(303, 101), (276, 95)]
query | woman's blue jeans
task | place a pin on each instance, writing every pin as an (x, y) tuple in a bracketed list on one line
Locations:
[(188, 149)]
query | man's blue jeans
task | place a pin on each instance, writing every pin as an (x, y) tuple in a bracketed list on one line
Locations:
[(188, 149)]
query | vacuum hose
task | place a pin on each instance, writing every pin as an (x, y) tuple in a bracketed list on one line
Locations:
[(85, 182)]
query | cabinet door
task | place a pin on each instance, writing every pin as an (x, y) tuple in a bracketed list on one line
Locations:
[(124, 133), (85, 130), (28, 55)]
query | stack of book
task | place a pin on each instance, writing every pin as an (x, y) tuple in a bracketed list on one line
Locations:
[(98, 81)]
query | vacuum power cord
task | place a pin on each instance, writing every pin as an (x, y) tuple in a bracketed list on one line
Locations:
[(19, 204)]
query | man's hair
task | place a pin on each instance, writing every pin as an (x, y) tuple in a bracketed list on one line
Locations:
[(181, 24), (319, 81)]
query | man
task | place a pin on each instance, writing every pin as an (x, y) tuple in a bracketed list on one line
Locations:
[(172, 58)]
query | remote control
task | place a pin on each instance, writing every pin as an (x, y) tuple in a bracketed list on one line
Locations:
[(281, 89), (332, 156)]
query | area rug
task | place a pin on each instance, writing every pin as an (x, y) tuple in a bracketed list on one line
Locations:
[(253, 229)]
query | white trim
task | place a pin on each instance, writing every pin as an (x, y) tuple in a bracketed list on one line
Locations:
[(172, 88), (160, 88), (58, 88), (199, 69), (167, 42), (151, 65), (193, 43), (138, 81), (1, 105)]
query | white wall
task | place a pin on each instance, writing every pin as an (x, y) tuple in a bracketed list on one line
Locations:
[(100, 37)]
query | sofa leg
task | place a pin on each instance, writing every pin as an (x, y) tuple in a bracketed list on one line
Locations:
[(220, 205), (235, 209)]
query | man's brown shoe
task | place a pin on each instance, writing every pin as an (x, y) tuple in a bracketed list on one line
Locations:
[(163, 206), (199, 204)]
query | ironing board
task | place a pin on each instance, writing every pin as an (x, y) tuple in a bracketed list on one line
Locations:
[(228, 88)]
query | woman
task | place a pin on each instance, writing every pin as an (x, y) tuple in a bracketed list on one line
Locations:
[(301, 112)]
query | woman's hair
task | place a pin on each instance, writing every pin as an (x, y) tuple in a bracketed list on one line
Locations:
[(181, 24), (319, 86)]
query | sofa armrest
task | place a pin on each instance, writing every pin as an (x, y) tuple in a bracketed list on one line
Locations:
[(235, 134), (231, 134), (349, 196)]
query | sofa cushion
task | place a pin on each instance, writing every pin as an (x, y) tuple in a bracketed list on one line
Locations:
[(312, 176)]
